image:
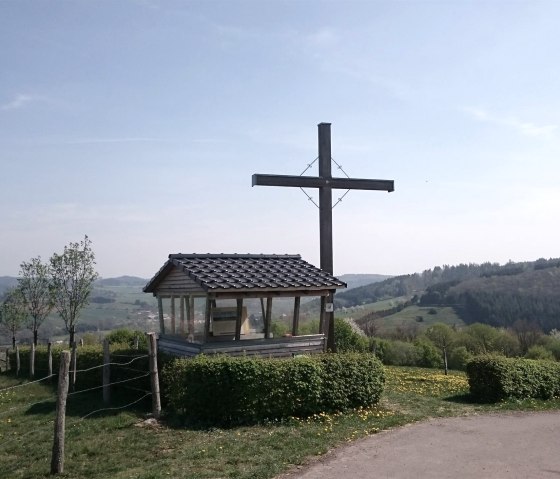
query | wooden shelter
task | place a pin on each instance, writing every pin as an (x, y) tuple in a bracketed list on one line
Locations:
[(223, 285)]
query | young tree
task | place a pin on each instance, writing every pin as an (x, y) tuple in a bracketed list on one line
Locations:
[(72, 277), (442, 336), (13, 313), (34, 283)]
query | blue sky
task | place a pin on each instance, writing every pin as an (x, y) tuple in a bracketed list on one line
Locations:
[(140, 123)]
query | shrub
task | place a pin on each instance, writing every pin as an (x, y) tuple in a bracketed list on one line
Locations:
[(427, 354), (87, 358), (350, 381), (348, 340), (128, 336), (539, 352), (459, 358), (400, 353), (227, 391), (493, 378)]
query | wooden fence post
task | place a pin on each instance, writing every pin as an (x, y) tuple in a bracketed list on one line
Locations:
[(106, 372), (8, 363), (74, 362), (57, 460), (49, 357), (18, 363), (152, 353), (32, 361)]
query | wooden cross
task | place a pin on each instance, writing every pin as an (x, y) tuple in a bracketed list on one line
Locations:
[(325, 183)]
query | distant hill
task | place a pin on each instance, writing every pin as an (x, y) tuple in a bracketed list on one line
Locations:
[(122, 281), (530, 296), (499, 295), (357, 280), (6, 282)]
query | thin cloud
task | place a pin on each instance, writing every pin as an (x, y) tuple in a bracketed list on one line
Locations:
[(18, 102), (523, 127), (88, 141)]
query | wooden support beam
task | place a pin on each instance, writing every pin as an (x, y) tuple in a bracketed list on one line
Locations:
[(322, 316), (263, 310), (295, 324), (207, 317), (160, 314), (268, 318), (190, 317), (173, 315), (238, 319), (182, 316)]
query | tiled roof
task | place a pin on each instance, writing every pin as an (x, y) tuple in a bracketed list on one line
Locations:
[(247, 272)]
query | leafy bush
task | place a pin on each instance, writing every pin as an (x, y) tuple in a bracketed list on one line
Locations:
[(539, 352), (87, 358), (427, 354), (400, 353), (348, 340), (493, 378), (221, 390), (128, 336), (459, 357)]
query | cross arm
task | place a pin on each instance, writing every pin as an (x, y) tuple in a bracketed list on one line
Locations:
[(320, 182)]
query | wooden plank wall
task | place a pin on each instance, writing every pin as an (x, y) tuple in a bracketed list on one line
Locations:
[(178, 284), (282, 347)]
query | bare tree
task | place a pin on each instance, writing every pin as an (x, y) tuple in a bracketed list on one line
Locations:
[(34, 283), (13, 312), (72, 276)]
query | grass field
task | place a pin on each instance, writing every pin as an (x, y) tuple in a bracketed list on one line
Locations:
[(121, 444), (410, 317)]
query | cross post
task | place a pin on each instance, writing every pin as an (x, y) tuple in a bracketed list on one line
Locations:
[(325, 183)]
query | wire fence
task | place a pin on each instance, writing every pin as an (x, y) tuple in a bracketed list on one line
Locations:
[(13, 443)]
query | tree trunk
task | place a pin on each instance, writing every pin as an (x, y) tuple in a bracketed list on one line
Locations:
[(72, 328), (445, 359), (14, 341), (35, 336)]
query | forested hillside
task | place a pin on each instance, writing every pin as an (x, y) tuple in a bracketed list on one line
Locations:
[(527, 292), (532, 296)]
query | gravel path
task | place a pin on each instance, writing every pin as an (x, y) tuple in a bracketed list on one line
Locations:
[(513, 446)]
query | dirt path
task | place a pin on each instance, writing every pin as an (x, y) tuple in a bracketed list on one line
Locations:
[(513, 446)]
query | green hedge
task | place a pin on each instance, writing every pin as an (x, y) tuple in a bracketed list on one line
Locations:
[(493, 378), (222, 390), (87, 357)]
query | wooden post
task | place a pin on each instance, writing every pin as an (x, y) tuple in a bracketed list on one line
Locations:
[(268, 318), (8, 364), (57, 460), (152, 352), (49, 357), (73, 366), (32, 361), (172, 314), (190, 317), (238, 319), (263, 310), (295, 325), (208, 315), (160, 312), (106, 372), (322, 316), (18, 363), (182, 315)]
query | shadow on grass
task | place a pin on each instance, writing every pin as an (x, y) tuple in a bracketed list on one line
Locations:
[(80, 405), (465, 398)]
